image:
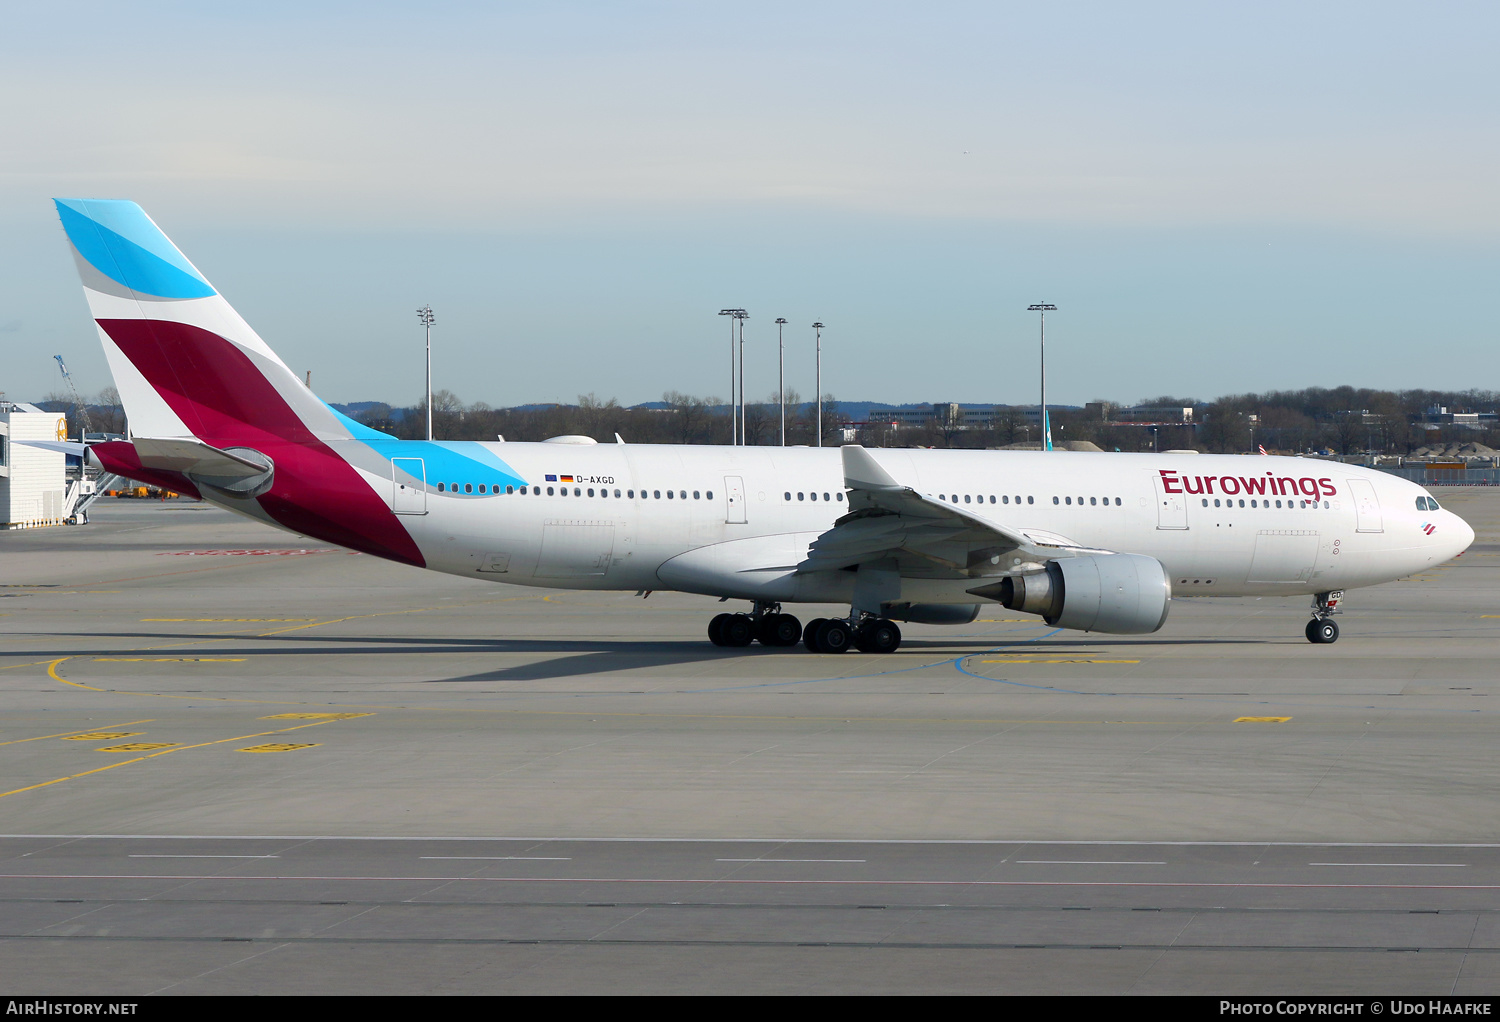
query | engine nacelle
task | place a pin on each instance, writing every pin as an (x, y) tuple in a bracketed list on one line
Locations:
[(933, 613), (1125, 594)]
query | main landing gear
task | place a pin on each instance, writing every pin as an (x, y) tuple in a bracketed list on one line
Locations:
[(766, 623), (1322, 629), (770, 627)]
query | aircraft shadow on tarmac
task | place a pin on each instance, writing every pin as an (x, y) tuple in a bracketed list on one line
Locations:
[(580, 657)]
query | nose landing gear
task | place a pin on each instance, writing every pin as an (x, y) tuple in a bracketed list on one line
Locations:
[(1322, 629)]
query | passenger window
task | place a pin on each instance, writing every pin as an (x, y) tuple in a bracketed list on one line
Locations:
[(549, 491), (1005, 499), (800, 496), (617, 494), (655, 494), (1056, 501), (1205, 502), (709, 495), (1068, 499), (788, 494), (1117, 502), (695, 495), (591, 491), (669, 494), (968, 499), (825, 496), (1093, 501), (442, 487), (839, 497), (511, 489), (1029, 500)]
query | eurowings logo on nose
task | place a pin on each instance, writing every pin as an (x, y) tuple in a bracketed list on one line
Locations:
[(1429, 528)]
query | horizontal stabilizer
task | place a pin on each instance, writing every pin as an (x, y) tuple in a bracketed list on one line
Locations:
[(195, 458), (73, 447)]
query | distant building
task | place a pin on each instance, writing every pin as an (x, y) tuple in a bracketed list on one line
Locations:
[(1153, 414), (949, 415)]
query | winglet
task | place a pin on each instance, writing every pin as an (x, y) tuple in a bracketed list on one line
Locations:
[(863, 472)]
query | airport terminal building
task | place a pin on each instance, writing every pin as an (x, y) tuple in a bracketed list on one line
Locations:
[(33, 482)]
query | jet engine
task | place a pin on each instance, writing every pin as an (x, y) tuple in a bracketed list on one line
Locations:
[(1121, 593)]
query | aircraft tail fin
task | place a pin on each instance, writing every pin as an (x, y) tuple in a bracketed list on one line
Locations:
[(185, 363)]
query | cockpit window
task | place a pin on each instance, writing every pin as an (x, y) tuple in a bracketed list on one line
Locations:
[(1432, 504), (1427, 504)]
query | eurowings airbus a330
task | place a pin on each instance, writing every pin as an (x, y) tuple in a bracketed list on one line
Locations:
[(1096, 542)]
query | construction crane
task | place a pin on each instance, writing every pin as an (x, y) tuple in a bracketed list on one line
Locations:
[(83, 412), (83, 490)]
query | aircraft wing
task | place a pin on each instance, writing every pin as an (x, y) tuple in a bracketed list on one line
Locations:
[(925, 537)]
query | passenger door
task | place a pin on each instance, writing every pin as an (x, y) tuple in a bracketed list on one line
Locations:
[(1171, 508), (734, 496), (1366, 506), (408, 486)]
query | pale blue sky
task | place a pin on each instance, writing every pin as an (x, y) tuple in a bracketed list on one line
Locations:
[(1219, 198)]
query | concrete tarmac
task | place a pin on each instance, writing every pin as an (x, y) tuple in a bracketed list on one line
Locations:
[(470, 787)]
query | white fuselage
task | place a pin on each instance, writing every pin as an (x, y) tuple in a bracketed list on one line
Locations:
[(739, 519)]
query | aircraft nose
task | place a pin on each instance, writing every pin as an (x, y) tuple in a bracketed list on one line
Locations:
[(1465, 535)]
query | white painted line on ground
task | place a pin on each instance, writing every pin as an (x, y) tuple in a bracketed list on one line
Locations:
[(598, 839), (135, 856), (743, 882)]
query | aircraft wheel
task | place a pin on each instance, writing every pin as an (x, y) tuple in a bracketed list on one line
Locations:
[(779, 630), (738, 630), (834, 636), (716, 629), (810, 634), (878, 637), (1322, 631)]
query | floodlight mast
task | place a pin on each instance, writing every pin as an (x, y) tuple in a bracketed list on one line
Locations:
[(781, 375), (1043, 424), (740, 315), (426, 318), (818, 379), (734, 420)]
